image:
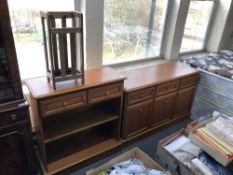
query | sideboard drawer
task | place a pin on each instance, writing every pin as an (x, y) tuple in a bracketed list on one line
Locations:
[(140, 95), (167, 88), (105, 92), (62, 103), (188, 81), (12, 117)]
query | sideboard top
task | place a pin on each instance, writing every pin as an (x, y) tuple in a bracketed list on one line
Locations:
[(41, 88), (156, 74)]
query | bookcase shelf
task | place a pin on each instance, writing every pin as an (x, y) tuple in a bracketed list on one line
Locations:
[(82, 155), (80, 147), (75, 123)]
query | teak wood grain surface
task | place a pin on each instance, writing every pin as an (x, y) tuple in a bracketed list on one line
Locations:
[(39, 87), (76, 122), (169, 87), (157, 74)]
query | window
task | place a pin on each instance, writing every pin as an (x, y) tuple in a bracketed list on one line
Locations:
[(27, 31), (196, 26), (133, 29)]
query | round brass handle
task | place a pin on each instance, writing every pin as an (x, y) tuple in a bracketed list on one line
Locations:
[(140, 109), (107, 92), (13, 117), (166, 101), (65, 103)]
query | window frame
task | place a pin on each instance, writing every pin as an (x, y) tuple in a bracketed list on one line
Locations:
[(210, 22), (145, 59)]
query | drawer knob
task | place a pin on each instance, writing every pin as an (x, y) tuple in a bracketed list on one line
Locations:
[(166, 101), (13, 117), (140, 109), (142, 96), (65, 103), (107, 92)]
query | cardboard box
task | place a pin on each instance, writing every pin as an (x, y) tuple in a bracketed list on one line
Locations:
[(168, 160), (216, 155), (135, 152)]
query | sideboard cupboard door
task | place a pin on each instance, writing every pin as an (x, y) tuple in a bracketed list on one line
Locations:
[(184, 101), (136, 118), (163, 109)]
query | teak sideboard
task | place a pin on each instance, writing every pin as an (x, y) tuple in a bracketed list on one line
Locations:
[(76, 122), (156, 96), (79, 122)]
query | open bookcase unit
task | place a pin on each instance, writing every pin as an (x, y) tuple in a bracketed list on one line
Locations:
[(81, 146), (77, 135), (77, 123)]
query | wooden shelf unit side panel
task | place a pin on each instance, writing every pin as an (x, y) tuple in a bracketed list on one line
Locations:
[(38, 123), (118, 105), (123, 130), (163, 108)]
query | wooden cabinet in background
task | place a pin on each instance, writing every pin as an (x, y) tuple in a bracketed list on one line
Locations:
[(169, 89), (16, 149)]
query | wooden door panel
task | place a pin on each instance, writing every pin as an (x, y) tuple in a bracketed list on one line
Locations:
[(13, 153), (137, 118), (184, 101), (163, 108)]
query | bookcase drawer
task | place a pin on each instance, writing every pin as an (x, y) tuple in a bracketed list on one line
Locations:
[(104, 92), (62, 103)]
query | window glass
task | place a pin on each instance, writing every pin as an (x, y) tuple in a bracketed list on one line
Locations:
[(197, 22), (133, 29), (27, 31)]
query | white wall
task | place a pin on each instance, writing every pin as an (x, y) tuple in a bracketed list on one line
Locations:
[(175, 28), (218, 26), (93, 36), (227, 38)]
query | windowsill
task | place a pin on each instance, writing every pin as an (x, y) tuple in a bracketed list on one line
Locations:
[(137, 64), (192, 53)]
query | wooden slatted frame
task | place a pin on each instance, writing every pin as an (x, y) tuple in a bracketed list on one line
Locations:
[(57, 38)]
